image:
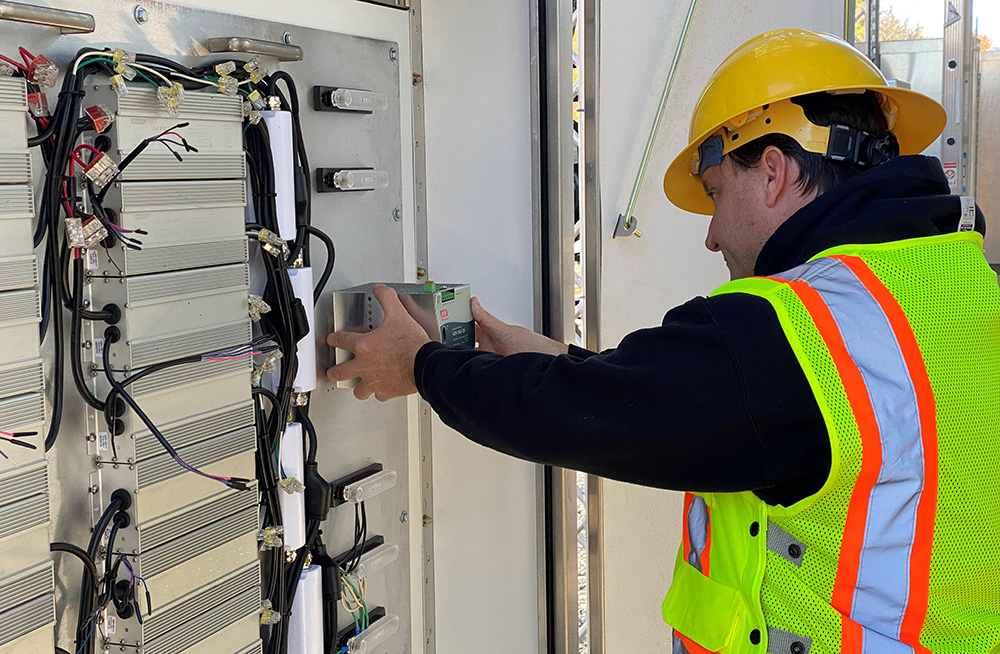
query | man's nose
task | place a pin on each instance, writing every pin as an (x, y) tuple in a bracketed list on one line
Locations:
[(710, 241)]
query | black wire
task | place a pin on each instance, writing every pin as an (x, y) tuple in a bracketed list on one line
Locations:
[(331, 258), (43, 135), (79, 553), (76, 337)]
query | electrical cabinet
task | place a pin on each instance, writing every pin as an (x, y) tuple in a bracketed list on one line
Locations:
[(179, 296), (27, 608)]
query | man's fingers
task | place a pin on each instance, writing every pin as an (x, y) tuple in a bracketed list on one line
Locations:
[(344, 340), (391, 306), (362, 391), (344, 371)]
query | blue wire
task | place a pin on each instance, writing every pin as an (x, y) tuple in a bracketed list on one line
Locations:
[(93, 623)]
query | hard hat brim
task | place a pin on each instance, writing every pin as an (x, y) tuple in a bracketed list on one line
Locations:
[(920, 120)]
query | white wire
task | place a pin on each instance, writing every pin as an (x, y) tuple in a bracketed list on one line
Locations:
[(154, 71), (79, 60), (195, 79)]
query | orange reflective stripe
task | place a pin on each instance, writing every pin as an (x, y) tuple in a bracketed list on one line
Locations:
[(685, 530), (708, 545), (871, 461), (691, 646), (920, 556)]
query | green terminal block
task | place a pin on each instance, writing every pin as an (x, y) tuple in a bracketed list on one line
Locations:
[(430, 287)]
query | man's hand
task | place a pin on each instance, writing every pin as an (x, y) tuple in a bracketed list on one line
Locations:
[(497, 336), (383, 357)]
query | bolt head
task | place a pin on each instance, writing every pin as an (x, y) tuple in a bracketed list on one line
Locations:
[(141, 14), (421, 273), (397, 214), (286, 38), (393, 54), (404, 517)]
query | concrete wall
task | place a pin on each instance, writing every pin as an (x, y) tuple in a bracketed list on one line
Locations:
[(643, 278)]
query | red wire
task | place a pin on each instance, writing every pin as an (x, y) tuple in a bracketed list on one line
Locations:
[(14, 63), (27, 56), (88, 147)]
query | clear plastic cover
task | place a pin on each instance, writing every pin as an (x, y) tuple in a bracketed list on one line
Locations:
[(360, 180), (355, 100), (369, 487), (373, 561), (374, 635)]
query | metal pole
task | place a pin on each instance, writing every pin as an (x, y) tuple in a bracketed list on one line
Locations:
[(68, 22), (590, 211), (629, 220)]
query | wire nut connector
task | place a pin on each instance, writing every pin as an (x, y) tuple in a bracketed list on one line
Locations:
[(94, 232), (75, 238), (253, 67), (291, 485), (228, 85), (101, 171), (272, 243), (300, 399), (119, 85), (257, 306), (171, 97), (270, 537), (225, 68), (43, 72), (267, 614)]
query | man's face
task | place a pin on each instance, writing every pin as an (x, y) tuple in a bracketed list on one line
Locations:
[(739, 226)]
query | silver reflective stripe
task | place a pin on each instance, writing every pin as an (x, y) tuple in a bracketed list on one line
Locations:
[(783, 544), (697, 520), (882, 587), (785, 642)]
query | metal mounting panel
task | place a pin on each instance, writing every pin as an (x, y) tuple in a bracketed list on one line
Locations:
[(368, 229)]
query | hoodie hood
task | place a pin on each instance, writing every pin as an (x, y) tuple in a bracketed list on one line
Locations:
[(908, 197)]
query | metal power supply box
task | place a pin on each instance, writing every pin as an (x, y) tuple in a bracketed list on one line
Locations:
[(444, 312)]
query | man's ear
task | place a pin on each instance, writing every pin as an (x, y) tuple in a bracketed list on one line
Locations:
[(780, 174)]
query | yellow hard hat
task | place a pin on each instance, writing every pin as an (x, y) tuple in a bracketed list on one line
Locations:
[(749, 96)]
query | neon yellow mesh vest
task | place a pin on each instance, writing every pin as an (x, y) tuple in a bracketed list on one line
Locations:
[(900, 549)]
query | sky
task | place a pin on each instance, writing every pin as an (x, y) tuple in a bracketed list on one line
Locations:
[(930, 14)]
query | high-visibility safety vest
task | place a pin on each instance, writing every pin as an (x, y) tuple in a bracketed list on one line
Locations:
[(900, 549)]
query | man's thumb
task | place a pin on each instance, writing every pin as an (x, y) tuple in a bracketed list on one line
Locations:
[(481, 315), (388, 299)]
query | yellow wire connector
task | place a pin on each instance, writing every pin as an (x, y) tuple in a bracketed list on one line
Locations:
[(271, 537), (257, 307), (291, 485), (267, 614), (272, 243), (171, 97)]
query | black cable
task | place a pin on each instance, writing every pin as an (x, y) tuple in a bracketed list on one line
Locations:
[(79, 553), (42, 136), (331, 258), (76, 338), (88, 602)]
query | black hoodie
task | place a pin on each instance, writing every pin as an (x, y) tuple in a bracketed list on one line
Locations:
[(712, 400)]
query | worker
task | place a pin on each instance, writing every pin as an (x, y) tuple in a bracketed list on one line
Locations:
[(833, 412)]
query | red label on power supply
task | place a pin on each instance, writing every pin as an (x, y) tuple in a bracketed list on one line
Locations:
[(444, 314)]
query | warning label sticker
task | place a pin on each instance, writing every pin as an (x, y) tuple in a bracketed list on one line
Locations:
[(951, 172)]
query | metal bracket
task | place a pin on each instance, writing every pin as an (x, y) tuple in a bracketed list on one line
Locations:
[(68, 22), (283, 51), (627, 227)]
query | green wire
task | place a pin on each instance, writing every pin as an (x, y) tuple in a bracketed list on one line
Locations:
[(112, 62)]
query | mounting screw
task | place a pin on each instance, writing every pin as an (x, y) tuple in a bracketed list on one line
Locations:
[(287, 38), (404, 517), (141, 14), (397, 214), (393, 54), (87, 345), (417, 78), (93, 490), (427, 521), (86, 304), (421, 273)]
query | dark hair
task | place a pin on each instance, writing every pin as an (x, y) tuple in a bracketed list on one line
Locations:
[(857, 110)]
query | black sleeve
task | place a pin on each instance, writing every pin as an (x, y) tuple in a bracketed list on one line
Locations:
[(713, 400)]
